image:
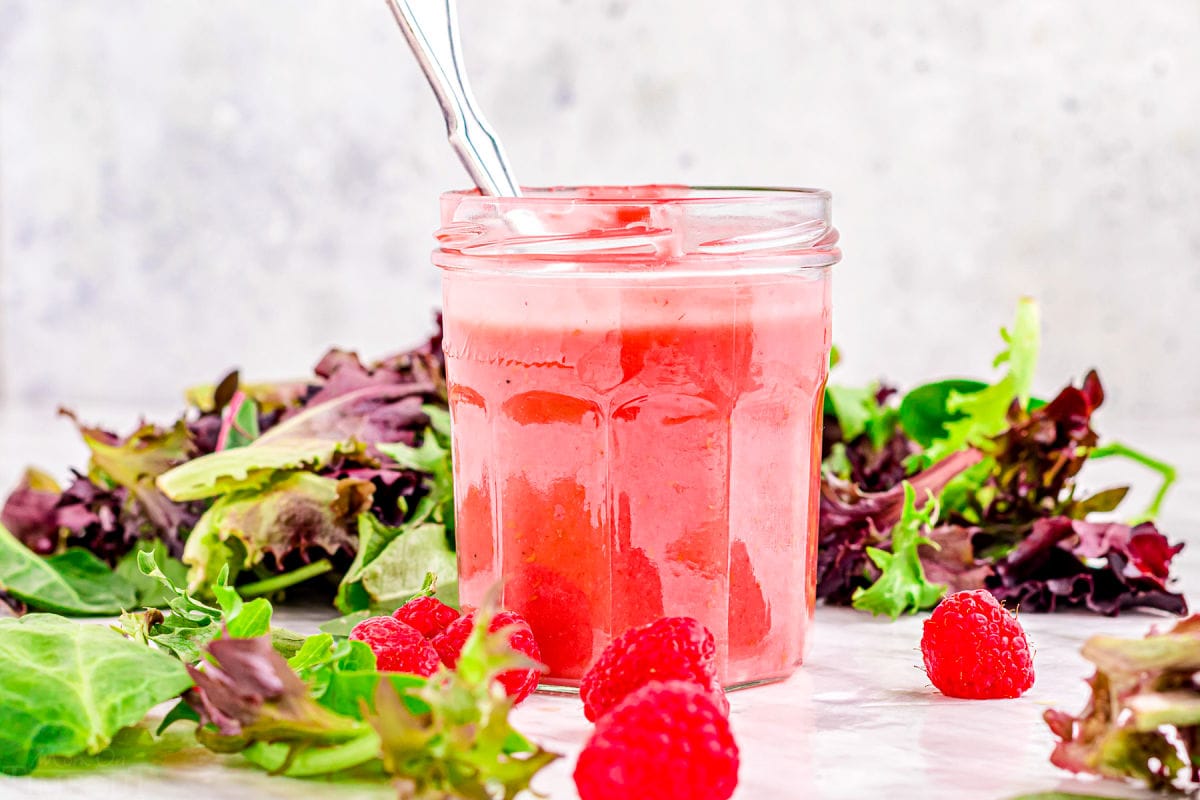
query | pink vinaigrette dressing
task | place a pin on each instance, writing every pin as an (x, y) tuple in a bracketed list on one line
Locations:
[(635, 380)]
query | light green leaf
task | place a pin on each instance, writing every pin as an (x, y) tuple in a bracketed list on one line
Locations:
[(247, 468), (432, 458), (391, 565), (858, 411), (341, 626), (439, 421), (1024, 342), (67, 688), (75, 583), (252, 620), (902, 585)]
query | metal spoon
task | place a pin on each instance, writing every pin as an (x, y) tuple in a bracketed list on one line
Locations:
[(431, 28)]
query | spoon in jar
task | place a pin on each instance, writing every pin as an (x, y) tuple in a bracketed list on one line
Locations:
[(431, 28)]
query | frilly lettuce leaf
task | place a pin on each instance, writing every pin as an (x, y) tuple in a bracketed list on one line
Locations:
[(296, 511), (902, 585), (859, 411), (248, 468), (135, 462)]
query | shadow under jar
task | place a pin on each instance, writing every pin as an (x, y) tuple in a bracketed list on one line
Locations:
[(636, 377)]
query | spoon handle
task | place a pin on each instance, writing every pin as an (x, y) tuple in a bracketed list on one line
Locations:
[(431, 28)]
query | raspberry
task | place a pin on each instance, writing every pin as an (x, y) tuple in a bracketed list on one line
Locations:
[(974, 648), (428, 615), (397, 647), (673, 648), (518, 683), (667, 740)]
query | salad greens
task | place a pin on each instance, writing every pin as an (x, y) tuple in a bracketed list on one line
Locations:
[(298, 706), (1004, 465), (72, 582), (68, 688)]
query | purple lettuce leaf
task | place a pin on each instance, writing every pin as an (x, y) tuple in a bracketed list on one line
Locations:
[(951, 560), (30, 511), (247, 693), (1104, 567)]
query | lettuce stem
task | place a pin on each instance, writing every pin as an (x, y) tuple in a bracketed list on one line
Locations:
[(287, 579), (1164, 470)]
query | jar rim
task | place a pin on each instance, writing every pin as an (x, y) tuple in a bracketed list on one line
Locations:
[(590, 227), (648, 193)]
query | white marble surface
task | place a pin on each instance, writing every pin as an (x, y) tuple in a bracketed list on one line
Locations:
[(859, 719), (189, 184)]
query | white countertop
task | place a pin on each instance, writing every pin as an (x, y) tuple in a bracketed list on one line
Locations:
[(857, 721)]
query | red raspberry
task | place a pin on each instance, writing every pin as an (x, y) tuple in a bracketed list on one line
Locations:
[(974, 648), (518, 683), (428, 615), (397, 647), (667, 740), (673, 648)]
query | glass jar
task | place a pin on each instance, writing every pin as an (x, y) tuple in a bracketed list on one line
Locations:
[(636, 377)]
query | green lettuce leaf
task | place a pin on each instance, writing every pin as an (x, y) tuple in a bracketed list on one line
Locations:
[(902, 585), (151, 593), (433, 458), (68, 688), (924, 412), (248, 468), (75, 582), (192, 624), (391, 564)]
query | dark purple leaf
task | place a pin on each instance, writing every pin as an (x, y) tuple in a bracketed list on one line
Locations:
[(29, 513), (1100, 566)]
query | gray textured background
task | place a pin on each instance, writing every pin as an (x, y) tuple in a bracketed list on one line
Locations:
[(190, 185)]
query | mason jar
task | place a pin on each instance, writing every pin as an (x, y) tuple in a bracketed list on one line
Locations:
[(636, 378)]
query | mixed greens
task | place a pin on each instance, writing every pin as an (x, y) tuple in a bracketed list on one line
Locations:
[(288, 704), (998, 470), (341, 483)]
